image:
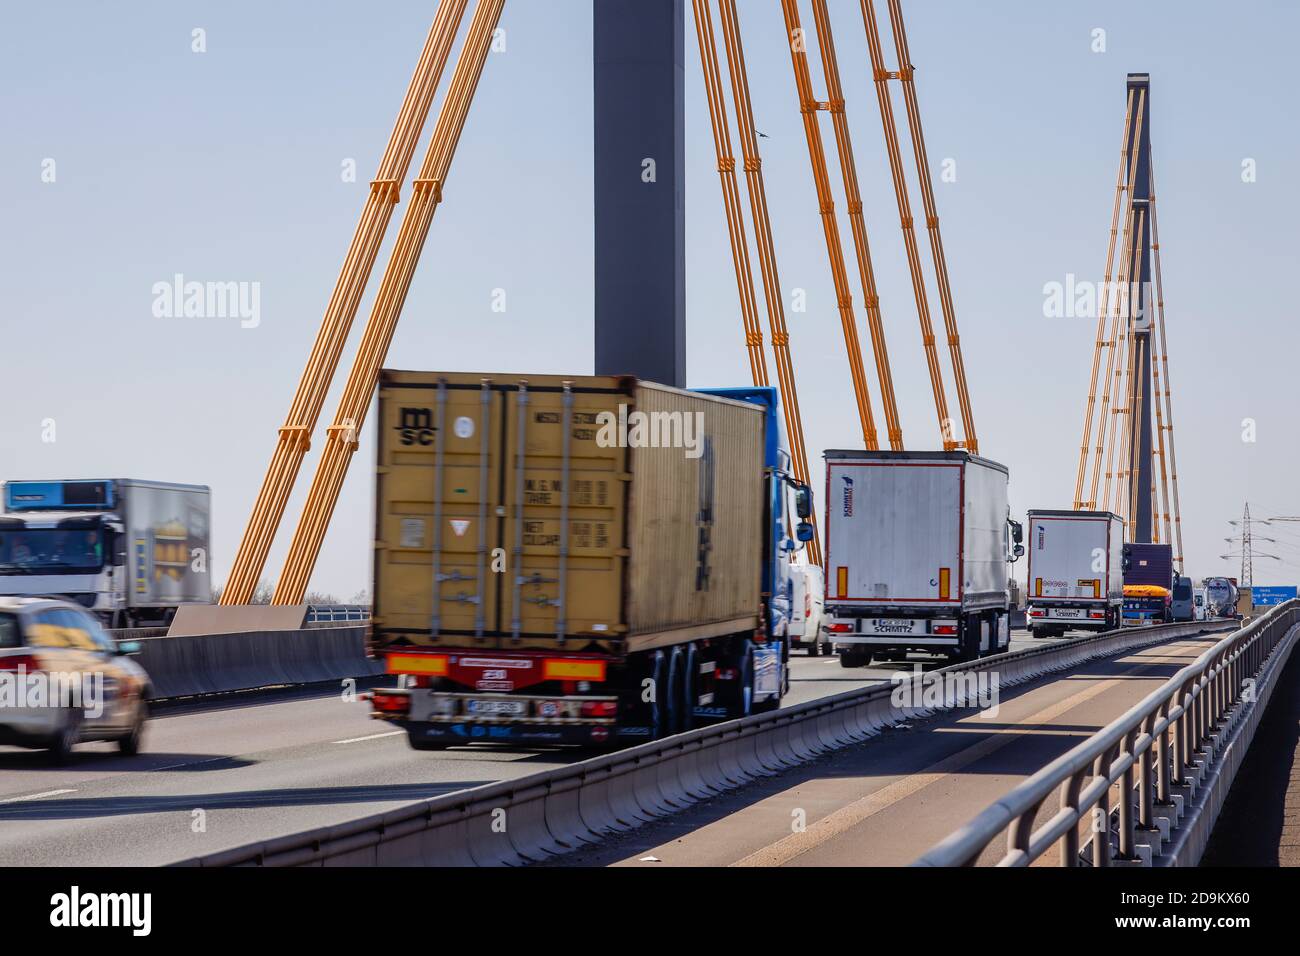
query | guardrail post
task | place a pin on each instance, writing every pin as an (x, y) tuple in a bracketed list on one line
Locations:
[(1182, 752), (1127, 796), (1165, 766), (1146, 779), (1070, 801)]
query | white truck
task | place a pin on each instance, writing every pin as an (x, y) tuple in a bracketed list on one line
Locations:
[(918, 553), (1075, 578), (808, 610), (130, 551)]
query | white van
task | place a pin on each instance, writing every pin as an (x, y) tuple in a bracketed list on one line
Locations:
[(807, 610)]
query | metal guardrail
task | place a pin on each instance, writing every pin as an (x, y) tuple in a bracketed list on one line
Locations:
[(555, 811), (1173, 755)]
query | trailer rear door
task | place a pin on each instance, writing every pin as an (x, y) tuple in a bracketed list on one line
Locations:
[(893, 532)]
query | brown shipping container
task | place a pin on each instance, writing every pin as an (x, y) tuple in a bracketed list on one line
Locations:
[(664, 543)]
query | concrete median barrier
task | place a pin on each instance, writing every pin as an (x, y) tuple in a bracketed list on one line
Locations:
[(248, 660), (547, 814)]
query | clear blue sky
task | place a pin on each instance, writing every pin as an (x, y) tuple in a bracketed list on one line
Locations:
[(226, 165)]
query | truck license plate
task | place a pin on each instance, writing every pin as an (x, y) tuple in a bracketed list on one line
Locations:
[(507, 707)]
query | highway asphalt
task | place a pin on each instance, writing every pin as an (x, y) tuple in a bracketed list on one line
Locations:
[(224, 774)]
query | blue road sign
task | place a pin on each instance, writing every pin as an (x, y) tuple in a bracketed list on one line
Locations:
[(1269, 596)]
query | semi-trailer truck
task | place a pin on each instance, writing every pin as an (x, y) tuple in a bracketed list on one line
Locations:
[(589, 560), (131, 551), (1148, 583), (1075, 578), (918, 551)]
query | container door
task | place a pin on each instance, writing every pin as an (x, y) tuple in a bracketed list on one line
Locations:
[(439, 472), (564, 494)]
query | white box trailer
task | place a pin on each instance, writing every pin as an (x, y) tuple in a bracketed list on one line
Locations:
[(1075, 577), (918, 546)]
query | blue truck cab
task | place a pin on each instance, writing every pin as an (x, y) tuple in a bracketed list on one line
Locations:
[(786, 531)]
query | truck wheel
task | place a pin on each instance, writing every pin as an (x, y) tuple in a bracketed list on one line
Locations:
[(855, 658)]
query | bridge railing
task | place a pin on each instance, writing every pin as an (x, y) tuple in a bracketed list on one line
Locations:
[(1162, 753), (336, 613)]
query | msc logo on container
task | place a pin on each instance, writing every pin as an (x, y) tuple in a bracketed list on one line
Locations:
[(415, 426)]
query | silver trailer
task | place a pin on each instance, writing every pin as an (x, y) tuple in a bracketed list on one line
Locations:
[(1075, 578), (131, 551), (918, 547)]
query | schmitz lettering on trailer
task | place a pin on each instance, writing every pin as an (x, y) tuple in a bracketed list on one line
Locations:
[(847, 491), (892, 627), (415, 426)]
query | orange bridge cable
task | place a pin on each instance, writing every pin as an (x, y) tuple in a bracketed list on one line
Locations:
[(1124, 449), (1119, 433), (730, 188), (1137, 401), (882, 77), (341, 436), (1102, 310), (1122, 363), (730, 191), (808, 106), (853, 195), (906, 74), (757, 191), (1164, 359), (295, 435), (1106, 426), (1159, 449)]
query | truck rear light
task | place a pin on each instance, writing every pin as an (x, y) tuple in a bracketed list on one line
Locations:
[(840, 628), (1037, 613), (27, 662), (1098, 615), (599, 708), (389, 702), (417, 663), (944, 629)]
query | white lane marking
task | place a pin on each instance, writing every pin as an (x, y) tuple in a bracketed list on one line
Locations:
[(37, 796), (387, 733)]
